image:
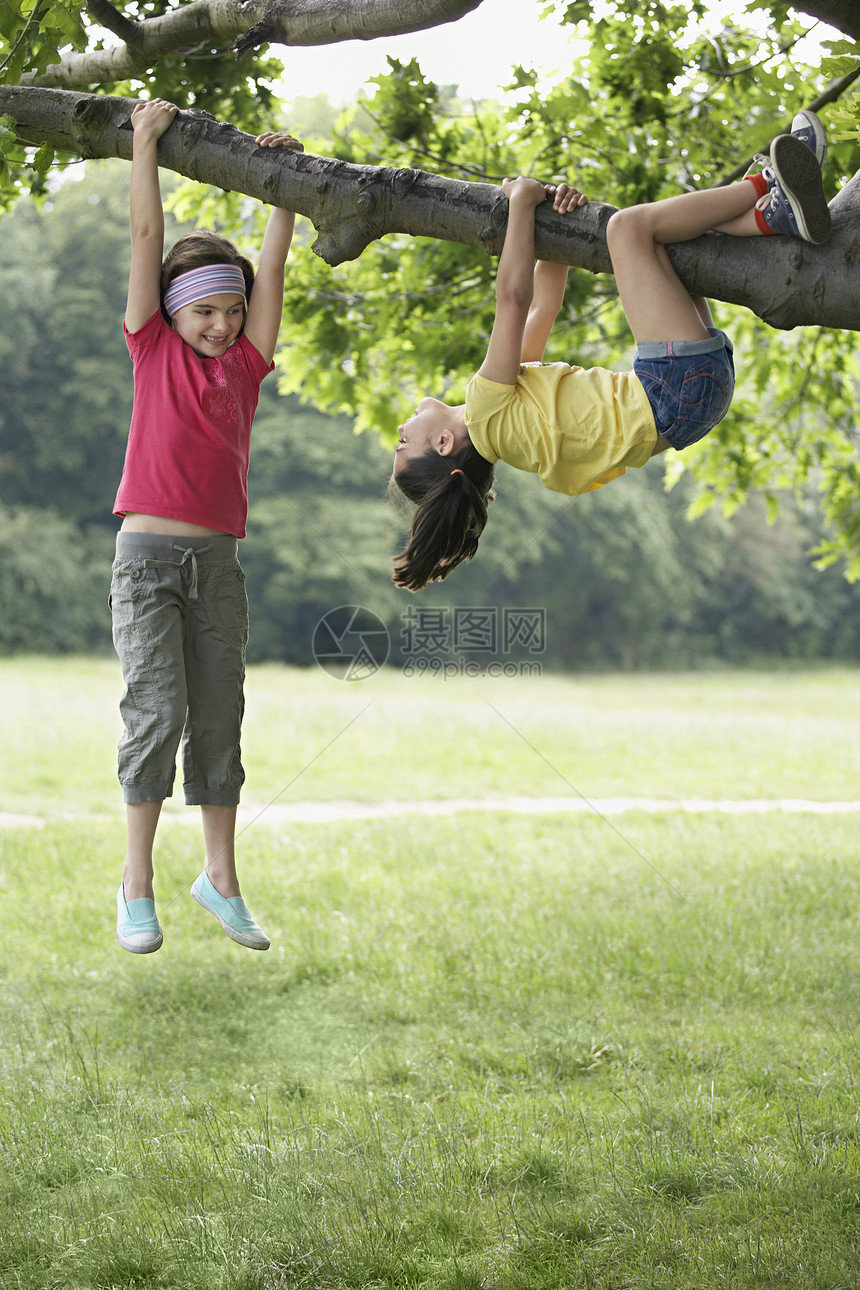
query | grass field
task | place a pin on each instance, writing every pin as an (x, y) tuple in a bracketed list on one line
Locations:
[(531, 1053)]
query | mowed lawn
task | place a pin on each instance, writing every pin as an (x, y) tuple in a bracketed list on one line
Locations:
[(485, 1049)]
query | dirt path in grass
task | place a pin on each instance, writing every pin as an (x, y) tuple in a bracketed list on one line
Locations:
[(280, 813)]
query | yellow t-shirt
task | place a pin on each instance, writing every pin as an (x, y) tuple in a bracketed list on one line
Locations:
[(576, 428)]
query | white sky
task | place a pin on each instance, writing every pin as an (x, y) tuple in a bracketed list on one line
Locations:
[(477, 52)]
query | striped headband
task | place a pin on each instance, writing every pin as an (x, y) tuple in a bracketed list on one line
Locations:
[(208, 280)]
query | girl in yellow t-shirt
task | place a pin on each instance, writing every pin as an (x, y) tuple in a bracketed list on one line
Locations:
[(579, 429)]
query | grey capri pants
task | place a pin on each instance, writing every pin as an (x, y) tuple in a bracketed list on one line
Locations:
[(180, 628)]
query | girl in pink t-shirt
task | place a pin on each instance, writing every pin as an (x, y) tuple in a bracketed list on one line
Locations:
[(201, 330)]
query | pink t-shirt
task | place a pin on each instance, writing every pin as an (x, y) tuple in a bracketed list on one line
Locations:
[(190, 437)]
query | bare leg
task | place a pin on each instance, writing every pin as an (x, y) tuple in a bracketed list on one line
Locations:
[(141, 823), (217, 889), (703, 309), (657, 305), (219, 834)]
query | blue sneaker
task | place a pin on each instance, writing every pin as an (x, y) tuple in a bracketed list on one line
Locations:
[(232, 913), (795, 203), (808, 129), (137, 926)]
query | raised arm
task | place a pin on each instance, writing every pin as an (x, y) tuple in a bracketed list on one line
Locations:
[(266, 306), (550, 280), (514, 285), (547, 296), (528, 295), (146, 217)]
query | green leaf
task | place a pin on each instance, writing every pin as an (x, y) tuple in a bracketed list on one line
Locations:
[(44, 158)]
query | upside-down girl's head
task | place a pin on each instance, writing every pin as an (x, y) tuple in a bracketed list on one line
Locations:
[(438, 469)]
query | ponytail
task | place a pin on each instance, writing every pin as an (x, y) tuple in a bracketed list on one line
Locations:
[(451, 495)]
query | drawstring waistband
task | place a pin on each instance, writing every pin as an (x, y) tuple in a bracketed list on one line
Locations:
[(190, 554), (153, 550)]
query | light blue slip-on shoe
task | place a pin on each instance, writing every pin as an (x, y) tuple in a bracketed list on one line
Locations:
[(232, 913), (137, 926)]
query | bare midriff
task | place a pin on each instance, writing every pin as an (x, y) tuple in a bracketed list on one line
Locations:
[(137, 523)]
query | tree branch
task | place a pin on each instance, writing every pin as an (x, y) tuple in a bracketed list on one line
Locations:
[(842, 14), (248, 23), (328, 22), (105, 15), (784, 281)]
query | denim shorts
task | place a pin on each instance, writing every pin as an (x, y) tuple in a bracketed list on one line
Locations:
[(180, 628), (689, 384)]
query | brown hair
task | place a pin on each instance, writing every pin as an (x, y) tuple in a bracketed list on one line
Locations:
[(451, 496), (193, 251)]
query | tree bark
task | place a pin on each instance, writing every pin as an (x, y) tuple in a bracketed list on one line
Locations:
[(246, 24), (844, 15), (784, 281)]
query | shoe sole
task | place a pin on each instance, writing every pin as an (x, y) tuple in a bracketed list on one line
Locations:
[(140, 949), (799, 177), (228, 930)]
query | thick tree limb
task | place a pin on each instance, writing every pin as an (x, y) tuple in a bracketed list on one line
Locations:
[(327, 22), (786, 282), (248, 24), (842, 14)]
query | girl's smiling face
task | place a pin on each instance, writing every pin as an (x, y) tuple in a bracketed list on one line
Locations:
[(433, 425), (211, 325)]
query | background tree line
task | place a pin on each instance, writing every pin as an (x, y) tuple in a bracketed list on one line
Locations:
[(625, 578), (651, 97)]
